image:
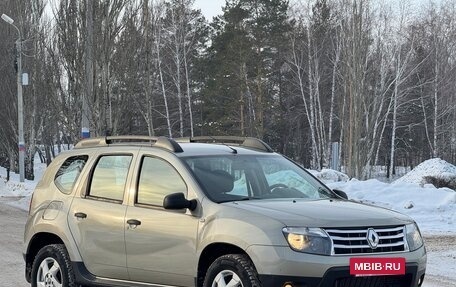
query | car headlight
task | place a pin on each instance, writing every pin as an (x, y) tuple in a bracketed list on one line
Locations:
[(413, 236), (308, 240)]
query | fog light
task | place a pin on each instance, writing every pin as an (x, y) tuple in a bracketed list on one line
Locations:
[(420, 281)]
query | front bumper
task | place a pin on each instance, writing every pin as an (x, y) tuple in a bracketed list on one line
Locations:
[(340, 277), (277, 265)]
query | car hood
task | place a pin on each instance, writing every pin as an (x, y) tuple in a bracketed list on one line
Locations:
[(323, 213)]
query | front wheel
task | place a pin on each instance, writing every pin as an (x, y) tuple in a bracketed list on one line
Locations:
[(233, 270), (52, 268)]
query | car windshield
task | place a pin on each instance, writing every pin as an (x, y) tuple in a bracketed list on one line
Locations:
[(244, 177)]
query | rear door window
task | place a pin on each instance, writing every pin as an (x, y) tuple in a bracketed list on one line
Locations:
[(109, 177)]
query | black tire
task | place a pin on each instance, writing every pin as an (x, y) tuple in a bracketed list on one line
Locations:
[(55, 258), (228, 265)]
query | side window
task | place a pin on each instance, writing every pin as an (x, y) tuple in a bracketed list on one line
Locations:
[(69, 172), (109, 177), (156, 180)]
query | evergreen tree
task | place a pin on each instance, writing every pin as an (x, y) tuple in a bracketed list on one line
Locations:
[(245, 61)]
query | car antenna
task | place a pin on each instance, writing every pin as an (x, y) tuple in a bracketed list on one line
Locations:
[(231, 148)]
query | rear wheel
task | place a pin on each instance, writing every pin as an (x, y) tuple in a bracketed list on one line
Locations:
[(233, 270), (52, 268)]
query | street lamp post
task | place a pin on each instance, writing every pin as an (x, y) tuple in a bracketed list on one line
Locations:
[(20, 108)]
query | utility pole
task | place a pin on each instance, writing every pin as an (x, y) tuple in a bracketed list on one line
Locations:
[(20, 105), (20, 110), (85, 123)]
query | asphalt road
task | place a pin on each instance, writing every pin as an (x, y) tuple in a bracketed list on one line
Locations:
[(12, 222)]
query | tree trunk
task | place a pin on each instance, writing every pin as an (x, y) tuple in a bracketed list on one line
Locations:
[(311, 110), (162, 82), (189, 93), (331, 111), (435, 152), (87, 97), (425, 122), (147, 85), (179, 96), (394, 121), (251, 107)]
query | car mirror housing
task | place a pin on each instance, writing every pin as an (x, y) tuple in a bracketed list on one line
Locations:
[(340, 193), (178, 201)]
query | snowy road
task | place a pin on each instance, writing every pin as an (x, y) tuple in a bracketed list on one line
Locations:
[(11, 230), (441, 256)]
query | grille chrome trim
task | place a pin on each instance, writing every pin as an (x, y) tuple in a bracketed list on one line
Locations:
[(367, 246), (379, 229), (346, 241)]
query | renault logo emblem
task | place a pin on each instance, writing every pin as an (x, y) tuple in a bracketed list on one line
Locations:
[(372, 238)]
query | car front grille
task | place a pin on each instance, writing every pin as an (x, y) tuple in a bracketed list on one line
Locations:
[(354, 241)]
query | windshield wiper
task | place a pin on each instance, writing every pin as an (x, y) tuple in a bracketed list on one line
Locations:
[(240, 199)]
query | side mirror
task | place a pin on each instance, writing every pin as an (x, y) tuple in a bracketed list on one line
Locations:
[(340, 193), (178, 201)]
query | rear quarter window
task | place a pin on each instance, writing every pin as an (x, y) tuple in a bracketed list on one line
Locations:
[(69, 172)]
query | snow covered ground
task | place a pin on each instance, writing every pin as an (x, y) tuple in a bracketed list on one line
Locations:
[(22, 191), (434, 209)]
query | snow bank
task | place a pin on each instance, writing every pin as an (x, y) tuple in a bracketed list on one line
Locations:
[(435, 167), (16, 193), (434, 209), (13, 187), (329, 175), (20, 191)]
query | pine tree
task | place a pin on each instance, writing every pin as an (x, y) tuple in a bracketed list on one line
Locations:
[(246, 58)]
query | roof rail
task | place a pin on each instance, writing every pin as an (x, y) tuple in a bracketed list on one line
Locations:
[(247, 142), (162, 142)]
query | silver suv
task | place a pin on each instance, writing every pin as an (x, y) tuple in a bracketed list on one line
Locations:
[(207, 211)]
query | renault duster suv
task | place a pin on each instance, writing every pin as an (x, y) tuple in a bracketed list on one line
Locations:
[(207, 211)]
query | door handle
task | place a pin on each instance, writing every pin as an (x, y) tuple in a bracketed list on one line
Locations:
[(134, 222), (80, 215)]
